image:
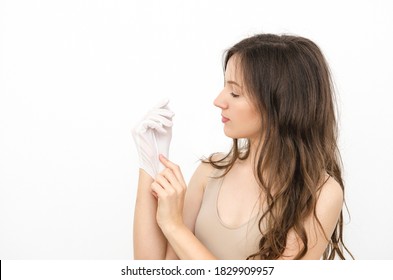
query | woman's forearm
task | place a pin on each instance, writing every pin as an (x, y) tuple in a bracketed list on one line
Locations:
[(149, 241), (186, 245)]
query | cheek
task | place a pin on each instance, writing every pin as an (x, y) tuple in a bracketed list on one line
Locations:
[(250, 116), (247, 124), (252, 123), (252, 119)]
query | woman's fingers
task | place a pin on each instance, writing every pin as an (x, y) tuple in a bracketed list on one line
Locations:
[(170, 189), (170, 177), (168, 184), (168, 181), (157, 189), (161, 120), (150, 124), (173, 167), (164, 182)]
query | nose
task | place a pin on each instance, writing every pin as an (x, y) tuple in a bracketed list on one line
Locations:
[(220, 101)]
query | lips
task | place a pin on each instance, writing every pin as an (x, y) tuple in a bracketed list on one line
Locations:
[(224, 119)]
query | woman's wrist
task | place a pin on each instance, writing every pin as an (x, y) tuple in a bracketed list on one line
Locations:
[(143, 174), (145, 180)]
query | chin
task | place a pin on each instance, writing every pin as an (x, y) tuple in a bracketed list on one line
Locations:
[(244, 134), (233, 134)]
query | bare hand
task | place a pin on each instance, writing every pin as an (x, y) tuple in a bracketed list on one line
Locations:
[(169, 188)]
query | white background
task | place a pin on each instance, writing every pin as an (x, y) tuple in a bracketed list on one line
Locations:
[(76, 76)]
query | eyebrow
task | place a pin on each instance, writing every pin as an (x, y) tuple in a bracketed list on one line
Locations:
[(233, 83)]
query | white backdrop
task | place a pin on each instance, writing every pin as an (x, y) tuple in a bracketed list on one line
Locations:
[(75, 76)]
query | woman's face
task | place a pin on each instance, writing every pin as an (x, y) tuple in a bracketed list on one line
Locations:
[(240, 116)]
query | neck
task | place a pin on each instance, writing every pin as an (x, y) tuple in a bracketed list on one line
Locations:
[(251, 161)]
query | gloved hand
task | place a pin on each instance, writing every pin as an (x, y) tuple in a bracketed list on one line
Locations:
[(152, 136)]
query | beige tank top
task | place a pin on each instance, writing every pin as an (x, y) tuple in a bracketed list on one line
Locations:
[(226, 243)]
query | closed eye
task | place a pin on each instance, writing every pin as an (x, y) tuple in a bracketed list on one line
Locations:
[(234, 95)]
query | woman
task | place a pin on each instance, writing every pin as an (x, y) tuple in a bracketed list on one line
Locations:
[(278, 193)]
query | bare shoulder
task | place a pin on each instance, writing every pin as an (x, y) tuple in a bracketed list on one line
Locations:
[(203, 171), (329, 204), (331, 191)]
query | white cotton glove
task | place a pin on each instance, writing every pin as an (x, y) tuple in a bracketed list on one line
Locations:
[(152, 136)]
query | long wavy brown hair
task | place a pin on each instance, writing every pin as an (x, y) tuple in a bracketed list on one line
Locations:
[(289, 81)]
